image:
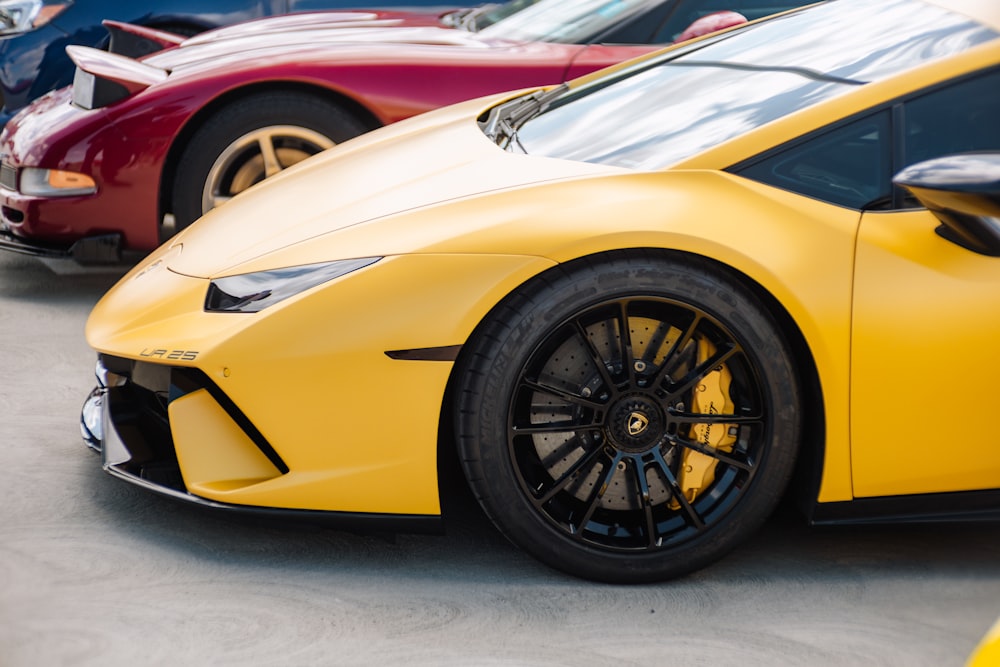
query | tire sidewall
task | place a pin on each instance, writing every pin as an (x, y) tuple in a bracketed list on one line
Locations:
[(240, 118)]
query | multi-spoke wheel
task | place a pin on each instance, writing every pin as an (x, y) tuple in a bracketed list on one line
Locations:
[(251, 140), (630, 419), (255, 156)]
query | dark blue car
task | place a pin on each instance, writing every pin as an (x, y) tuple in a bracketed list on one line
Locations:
[(34, 33)]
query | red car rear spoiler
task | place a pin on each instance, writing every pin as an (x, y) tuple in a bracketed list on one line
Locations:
[(135, 41), (104, 78)]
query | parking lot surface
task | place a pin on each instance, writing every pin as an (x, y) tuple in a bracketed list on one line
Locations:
[(96, 572)]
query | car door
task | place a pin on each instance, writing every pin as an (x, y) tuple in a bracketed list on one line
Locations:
[(925, 315), (926, 325)]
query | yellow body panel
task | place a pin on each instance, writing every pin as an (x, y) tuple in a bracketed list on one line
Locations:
[(357, 429), (214, 453), (987, 652), (459, 225), (925, 361), (758, 230)]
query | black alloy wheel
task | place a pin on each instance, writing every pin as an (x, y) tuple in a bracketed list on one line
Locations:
[(628, 420)]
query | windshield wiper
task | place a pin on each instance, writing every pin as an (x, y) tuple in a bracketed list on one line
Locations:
[(504, 120), (468, 20)]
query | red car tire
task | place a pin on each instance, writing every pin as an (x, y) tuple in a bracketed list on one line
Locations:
[(249, 140)]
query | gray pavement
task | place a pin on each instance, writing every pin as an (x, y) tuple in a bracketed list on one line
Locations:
[(96, 572)]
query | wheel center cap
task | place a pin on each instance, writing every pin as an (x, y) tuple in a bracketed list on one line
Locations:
[(635, 423)]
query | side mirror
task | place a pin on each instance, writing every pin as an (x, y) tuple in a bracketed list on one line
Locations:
[(963, 191)]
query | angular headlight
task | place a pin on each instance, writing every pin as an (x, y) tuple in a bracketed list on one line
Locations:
[(253, 292), (18, 16), (55, 183)]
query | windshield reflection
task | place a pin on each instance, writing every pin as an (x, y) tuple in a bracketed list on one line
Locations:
[(633, 136), (674, 108), (855, 39), (565, 21)]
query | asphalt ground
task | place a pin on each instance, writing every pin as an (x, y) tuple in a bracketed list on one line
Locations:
[(96, 572)]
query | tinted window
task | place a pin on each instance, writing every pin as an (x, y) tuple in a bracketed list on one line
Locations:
[(853, 165), (960, 118), (849, 166)]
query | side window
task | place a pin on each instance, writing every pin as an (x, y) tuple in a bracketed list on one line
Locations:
[(848, 166), (960, 118), (853, 165)]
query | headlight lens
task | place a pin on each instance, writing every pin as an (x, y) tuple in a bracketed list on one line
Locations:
[(18, 16), (253, 292), (55, 183)]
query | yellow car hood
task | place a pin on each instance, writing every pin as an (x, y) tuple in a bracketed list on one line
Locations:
[(434, 159)]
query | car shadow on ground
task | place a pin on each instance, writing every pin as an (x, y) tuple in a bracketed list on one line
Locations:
[(471, 549), (60, 282)]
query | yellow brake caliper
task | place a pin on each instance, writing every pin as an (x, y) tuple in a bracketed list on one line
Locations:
[(711, 397)]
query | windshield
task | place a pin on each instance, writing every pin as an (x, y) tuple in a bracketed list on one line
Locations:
[(565, 21), (663, 111)]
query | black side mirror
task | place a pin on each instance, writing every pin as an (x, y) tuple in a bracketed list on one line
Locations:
[(963, 191)]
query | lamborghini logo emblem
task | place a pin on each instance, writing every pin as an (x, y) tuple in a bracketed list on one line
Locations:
[(637, 423)]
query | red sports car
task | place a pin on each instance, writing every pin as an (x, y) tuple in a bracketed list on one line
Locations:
[(142, 146)]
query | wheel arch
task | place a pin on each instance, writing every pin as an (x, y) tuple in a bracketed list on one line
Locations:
[(193, 124), (806, 479)]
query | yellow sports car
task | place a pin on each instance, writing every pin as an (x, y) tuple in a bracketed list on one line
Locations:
[(987, 652), (636, 307)]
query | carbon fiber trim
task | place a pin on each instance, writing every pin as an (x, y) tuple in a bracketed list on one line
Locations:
[(446, 353), (959, 506), (21, 246), (359, 521)]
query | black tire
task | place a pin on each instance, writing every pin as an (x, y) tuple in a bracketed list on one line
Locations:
[(226, 149), (554, 417)]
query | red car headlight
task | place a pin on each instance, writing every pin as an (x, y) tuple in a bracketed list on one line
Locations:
[(55, 183)]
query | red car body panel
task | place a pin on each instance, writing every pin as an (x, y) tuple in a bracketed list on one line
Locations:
[(390, 73)]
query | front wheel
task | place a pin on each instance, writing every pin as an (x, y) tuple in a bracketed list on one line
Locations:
[(628, 419), (250, 140)]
